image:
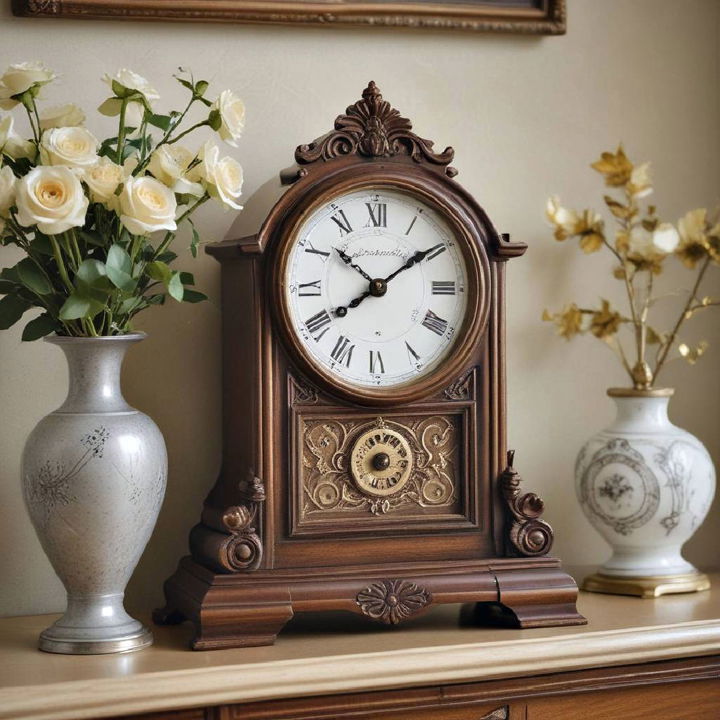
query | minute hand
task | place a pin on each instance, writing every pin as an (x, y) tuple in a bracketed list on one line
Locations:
[(419, 256)]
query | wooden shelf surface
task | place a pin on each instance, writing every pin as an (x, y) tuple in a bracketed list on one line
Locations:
[(334, 653)]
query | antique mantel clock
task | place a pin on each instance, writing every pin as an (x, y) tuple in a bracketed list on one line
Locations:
[(364, 430)]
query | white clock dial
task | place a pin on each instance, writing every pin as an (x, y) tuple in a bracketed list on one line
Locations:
[(376, 287)]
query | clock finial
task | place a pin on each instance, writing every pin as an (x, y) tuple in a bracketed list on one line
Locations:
[(371, 127)]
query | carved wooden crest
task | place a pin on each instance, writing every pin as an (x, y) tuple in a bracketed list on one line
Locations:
[(373, 128), (392, 601)]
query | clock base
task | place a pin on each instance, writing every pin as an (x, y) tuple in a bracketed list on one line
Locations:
[(247, 610)]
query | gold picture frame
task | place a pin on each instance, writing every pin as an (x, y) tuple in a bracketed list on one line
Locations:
[(528, 17)]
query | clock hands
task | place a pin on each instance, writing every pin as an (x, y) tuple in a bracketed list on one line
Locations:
[(419, 256), (349, 261), (378, 286)]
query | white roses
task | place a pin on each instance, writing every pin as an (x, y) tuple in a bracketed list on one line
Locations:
[(51, 198), (129, 83), (8, 185), (232, 116), (222, 176), (71, 146), (68, 115), (146, 205), (11, 143), (19, 78), (103, 179)]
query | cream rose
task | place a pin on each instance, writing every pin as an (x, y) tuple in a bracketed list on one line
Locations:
[(8, 185), (68, 115), (51, 198), (222, 176), (146, 205), (11, 143), (232, 116), (169, 163), (21, 77), (135, 83), (71, 146), (103, 179)]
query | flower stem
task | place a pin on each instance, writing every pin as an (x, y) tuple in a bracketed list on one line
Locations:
[(691, 299)]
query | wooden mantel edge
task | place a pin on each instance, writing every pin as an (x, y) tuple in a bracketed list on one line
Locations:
[(411, 667)]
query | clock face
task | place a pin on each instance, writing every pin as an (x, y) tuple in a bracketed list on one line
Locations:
[(376, 287)]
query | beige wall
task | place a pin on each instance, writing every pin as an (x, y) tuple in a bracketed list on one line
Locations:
[(525, 115)]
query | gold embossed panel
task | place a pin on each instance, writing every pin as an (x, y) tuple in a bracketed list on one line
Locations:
[(355, 474)]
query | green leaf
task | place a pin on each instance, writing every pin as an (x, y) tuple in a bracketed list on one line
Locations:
[(93, 237), (159, 121), (185, 83), (33, 278), (119, 268), (39, 327), (7, 286), (175, 287), (12, 308), (187, 278), (158, 299), (200, 87), (159, 271), (214, 120), (41, 244), (92, 275), (78, 307), (167, 257), (193, 296), (195, 240), (129, 305), (11, 274)]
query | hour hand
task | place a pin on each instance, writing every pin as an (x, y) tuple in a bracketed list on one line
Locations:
[(349, 261)]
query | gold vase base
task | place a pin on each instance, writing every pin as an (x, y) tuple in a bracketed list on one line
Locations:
[(646, 587)]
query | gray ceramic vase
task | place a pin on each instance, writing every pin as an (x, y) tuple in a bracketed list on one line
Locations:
[(94, 474)]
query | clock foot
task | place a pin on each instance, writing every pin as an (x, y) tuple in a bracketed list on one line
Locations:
[(219, 620), (540, 597)]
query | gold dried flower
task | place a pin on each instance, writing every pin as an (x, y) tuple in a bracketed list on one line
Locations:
[(616, 168), (568, 322), (640, 184), (694, 244), (590, 229), (605, 321), (693, 354), (563, 219)]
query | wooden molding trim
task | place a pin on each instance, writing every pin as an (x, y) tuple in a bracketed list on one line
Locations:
[(363, 672), (548, 19)]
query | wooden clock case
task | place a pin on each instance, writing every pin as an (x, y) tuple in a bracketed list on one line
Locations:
[(284, 529)]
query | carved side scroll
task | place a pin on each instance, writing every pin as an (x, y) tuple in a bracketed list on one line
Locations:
[(527, 534), (243, 551), (373, 128)]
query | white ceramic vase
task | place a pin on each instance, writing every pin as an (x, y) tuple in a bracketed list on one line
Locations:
[(94, 474), (646, 486)]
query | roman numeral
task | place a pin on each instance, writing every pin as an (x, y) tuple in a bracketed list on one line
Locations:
[(443, 287), (342, 222), (318, 323), (376, 363), (310, 289), (412, 355), (440, 250), (342, 352), (378, 214), (312, 250), (435, 323), (407, 232)]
